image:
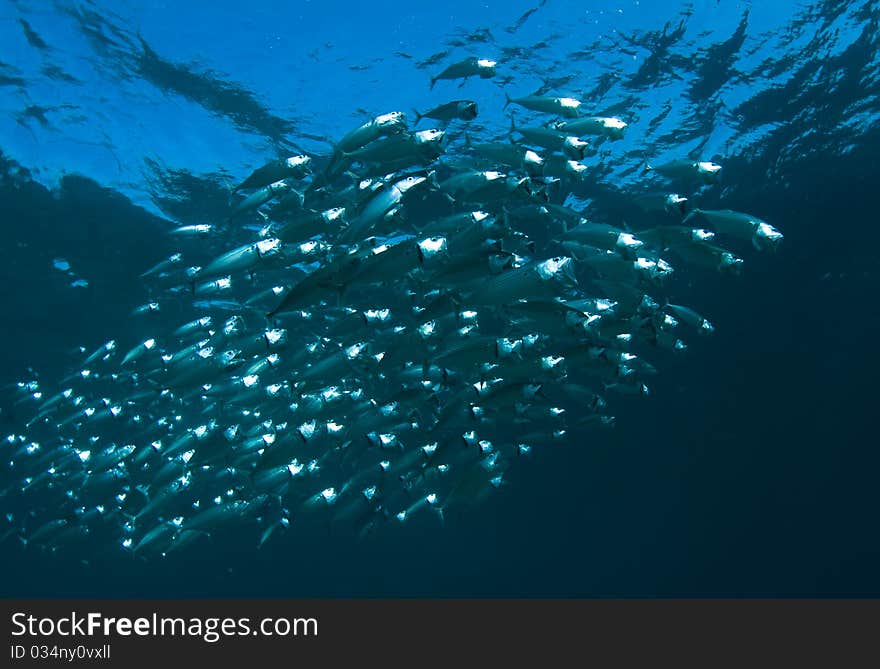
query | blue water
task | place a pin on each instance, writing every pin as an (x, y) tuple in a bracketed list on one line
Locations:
[(751, 470)]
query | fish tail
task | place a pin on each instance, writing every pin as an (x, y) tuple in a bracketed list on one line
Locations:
[(507, 100), (418, 116), (433, 81)]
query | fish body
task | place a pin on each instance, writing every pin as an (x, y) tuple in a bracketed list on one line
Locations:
[(464, 69), (486, 186), (704, 171), (195, 230), (464, 110), (608, 126), (244, 258), (160, 268), (605, 237), (570, 146), (382, 206), (294, 167), (510, 155), (312, 223), (260, 197), (761, 234), (566, 107), (384, 125), (422, 145), (562, 167), (670, 203)]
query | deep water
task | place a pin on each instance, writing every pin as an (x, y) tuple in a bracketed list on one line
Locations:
[(750, 470)]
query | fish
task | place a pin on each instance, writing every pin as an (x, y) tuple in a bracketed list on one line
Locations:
[(383, 125), (562, 106), (464, 110), (761, 234), (294, 167), (509, 154), (570, 146), (242, 258), (413, 317), (605, 237), (690, 317), (561, 167), (671, 203), (608, 126), (260, 197), (401, 150), (464, 69), (705, 171), (148, 308), (163, 266), (194, 230)]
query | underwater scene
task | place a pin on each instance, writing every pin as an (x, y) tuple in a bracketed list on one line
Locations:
[(522, 299)]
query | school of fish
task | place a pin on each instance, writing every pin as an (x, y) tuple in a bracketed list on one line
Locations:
[(415, 313)]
